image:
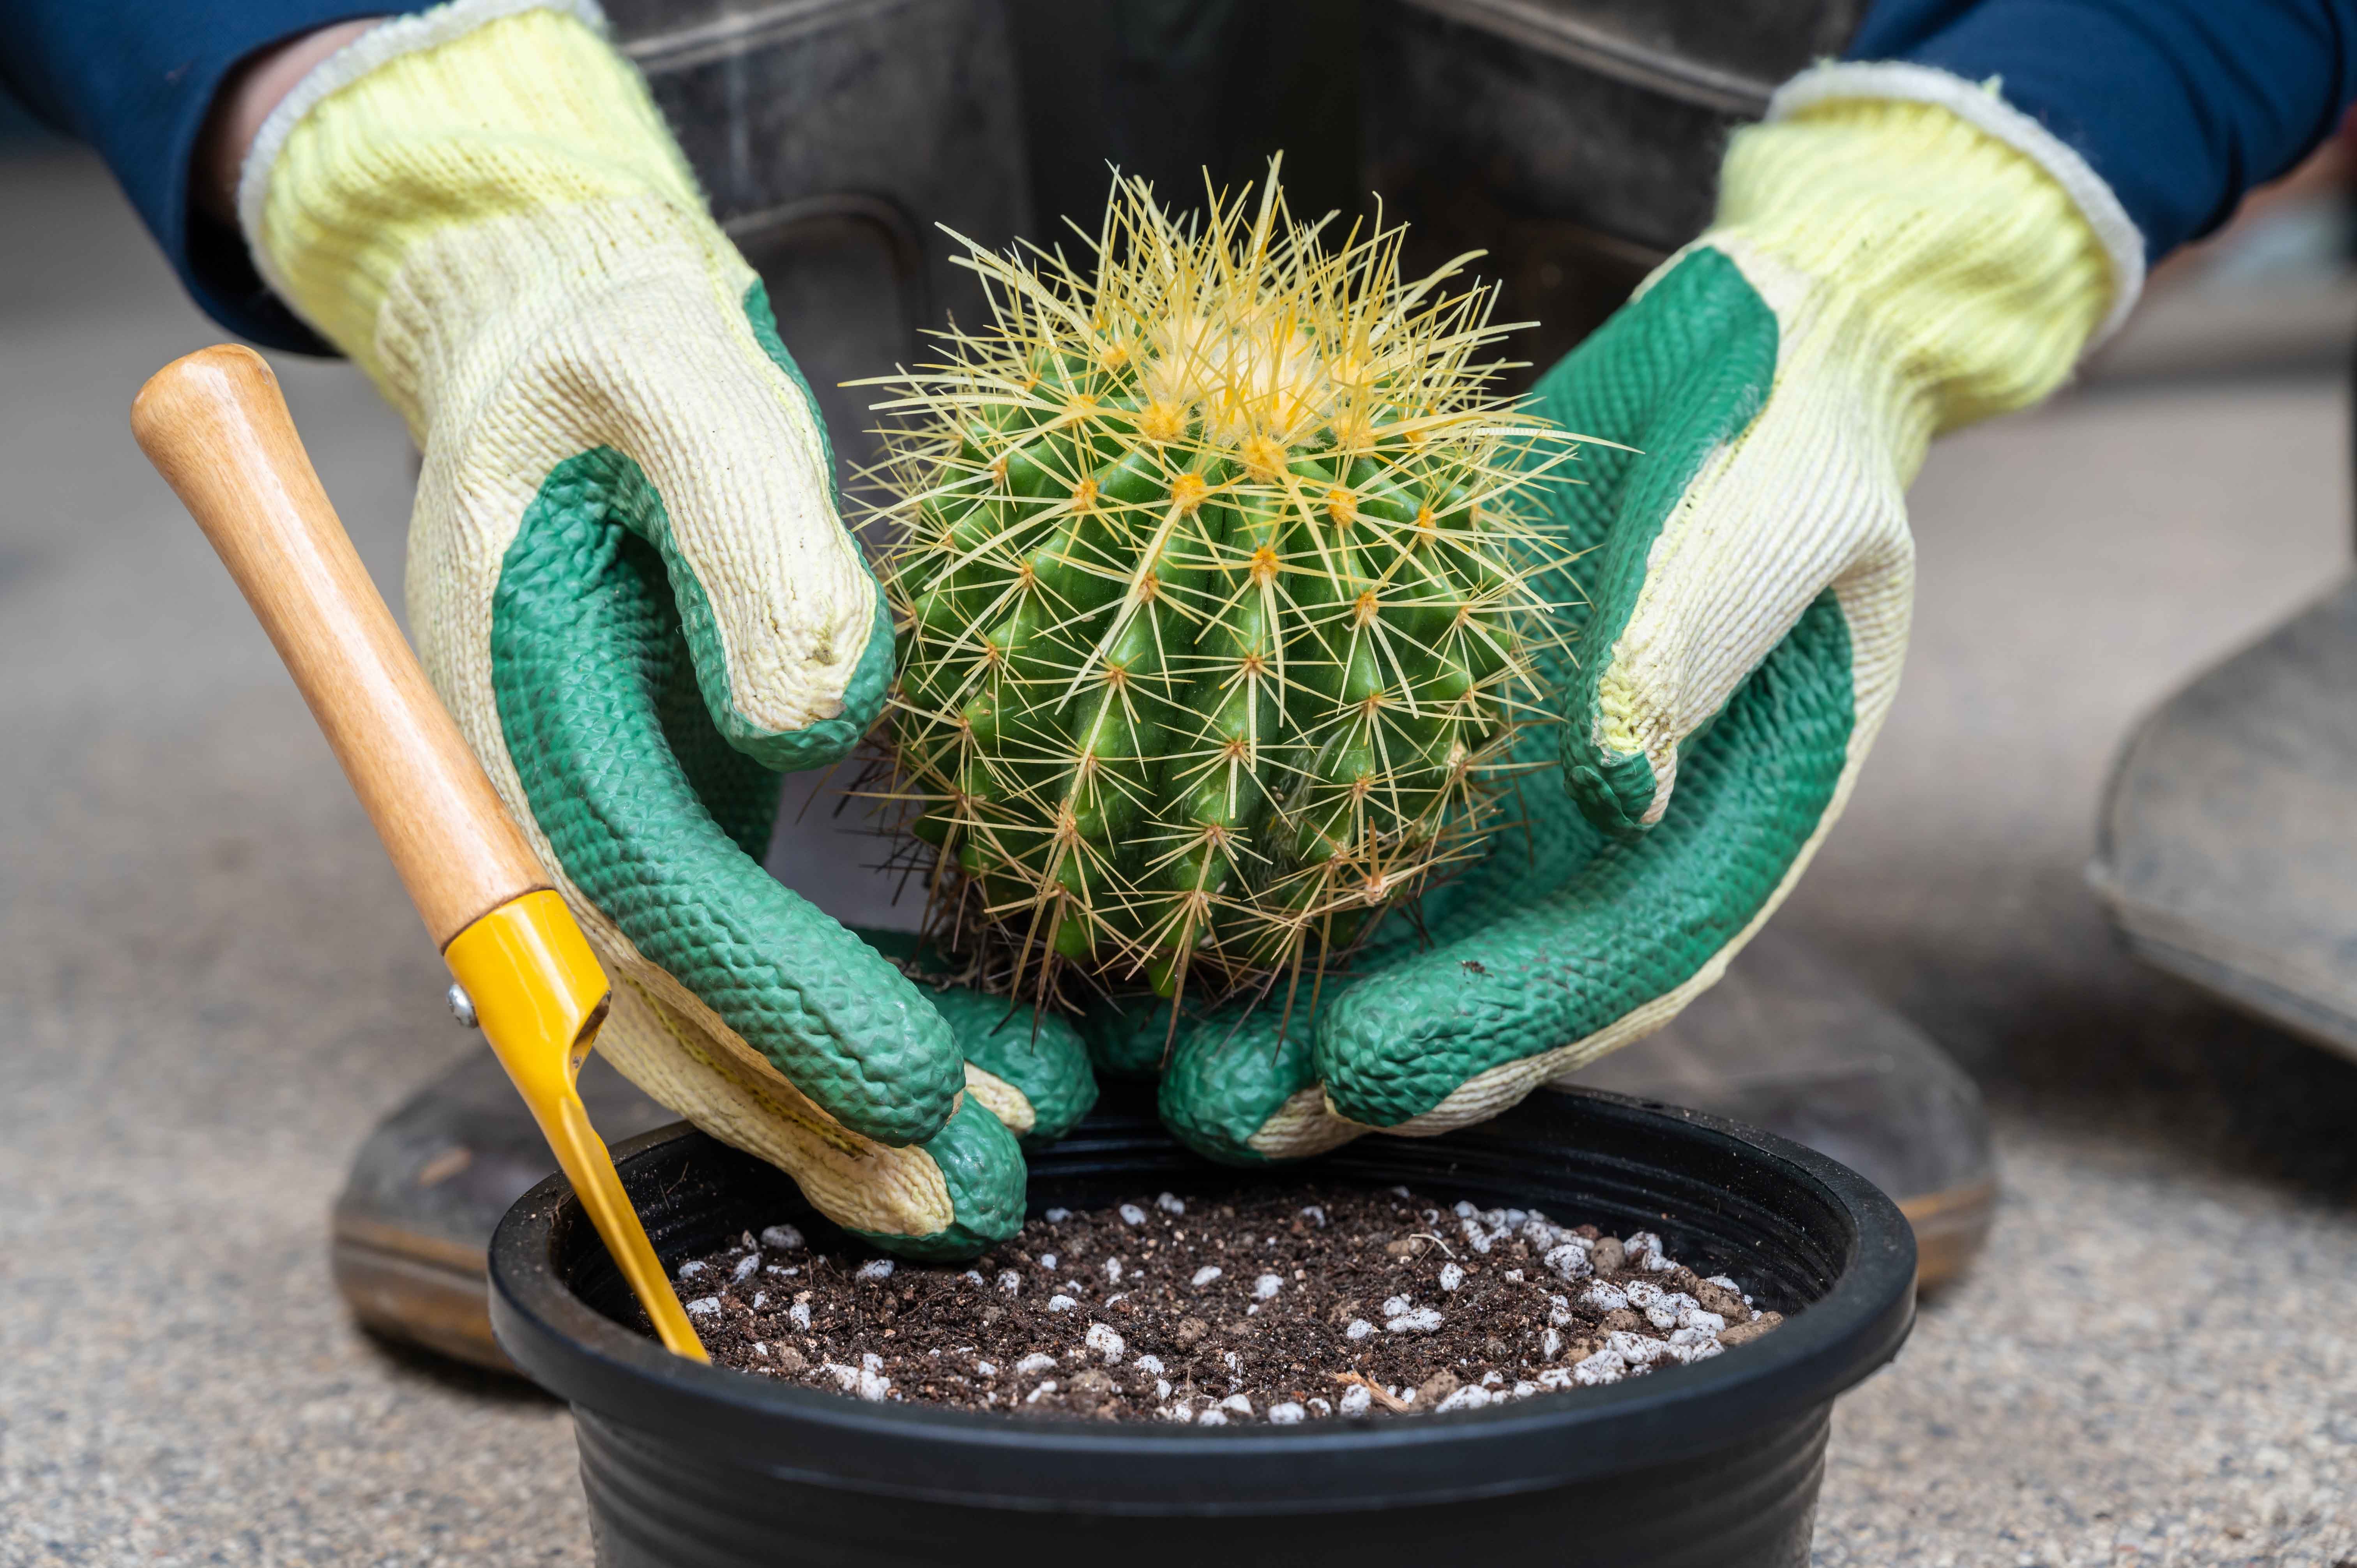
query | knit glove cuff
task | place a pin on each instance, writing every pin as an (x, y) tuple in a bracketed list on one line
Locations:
[(1976, 255)]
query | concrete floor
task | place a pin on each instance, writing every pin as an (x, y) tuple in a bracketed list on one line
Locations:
[(215, 987)]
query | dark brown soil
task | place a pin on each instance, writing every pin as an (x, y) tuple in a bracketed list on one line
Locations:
[(1285, 1307)]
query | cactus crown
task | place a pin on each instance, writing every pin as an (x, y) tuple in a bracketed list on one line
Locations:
[(1213, 579)]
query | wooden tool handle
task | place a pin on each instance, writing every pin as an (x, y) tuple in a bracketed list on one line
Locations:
[(216, 427)]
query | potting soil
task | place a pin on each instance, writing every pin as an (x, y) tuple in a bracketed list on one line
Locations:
[(1303, 1305)]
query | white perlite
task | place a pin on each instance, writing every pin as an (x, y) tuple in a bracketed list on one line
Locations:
[(745, 1267), (799, 1315), (1451, 1276), (1604, 1366), (875, 1269), (1415, 1320), (1356, 1400), (1206, 1274), (1569, 1260), (1644, 1250), (1266, 1286), (1105, 1342), (1359, 1328), (1038, 1361), (1169, 1204), (1132, 1214), (1662, 1309), (782, 1239), (866, 1380), (1062, 1304), (708, 1306)]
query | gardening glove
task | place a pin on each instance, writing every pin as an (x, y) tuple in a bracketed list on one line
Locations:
[(1897, 253), (630, 582)]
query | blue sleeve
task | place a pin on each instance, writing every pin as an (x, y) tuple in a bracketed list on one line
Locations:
[(2181, 105), (136, 79)]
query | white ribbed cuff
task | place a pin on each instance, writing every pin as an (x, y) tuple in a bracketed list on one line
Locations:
[(381, 45), (1980, 105)]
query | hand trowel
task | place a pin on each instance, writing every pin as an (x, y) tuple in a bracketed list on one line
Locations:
[(217, 428)]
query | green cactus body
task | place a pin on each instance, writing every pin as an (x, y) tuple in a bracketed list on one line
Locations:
[(1213, 598)]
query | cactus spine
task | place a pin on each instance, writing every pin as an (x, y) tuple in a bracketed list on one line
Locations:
[(1212, 569)]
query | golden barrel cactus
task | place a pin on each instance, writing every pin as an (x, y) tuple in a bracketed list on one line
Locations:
[(1212, 571)]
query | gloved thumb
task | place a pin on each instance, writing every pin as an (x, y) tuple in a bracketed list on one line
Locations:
[(1797, 492)]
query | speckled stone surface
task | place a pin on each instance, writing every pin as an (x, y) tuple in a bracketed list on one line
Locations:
[(214, 987)]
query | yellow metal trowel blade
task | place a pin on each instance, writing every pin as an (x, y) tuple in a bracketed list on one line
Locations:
[(539, 995)]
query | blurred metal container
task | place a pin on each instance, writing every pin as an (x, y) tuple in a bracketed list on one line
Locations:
[(1578, 141), (833, 138)]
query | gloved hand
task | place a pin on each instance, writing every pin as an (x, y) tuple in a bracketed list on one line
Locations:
[(630, 582), (1897, 252)]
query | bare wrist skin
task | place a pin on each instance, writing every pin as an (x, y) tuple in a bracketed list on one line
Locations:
[(246, 98)]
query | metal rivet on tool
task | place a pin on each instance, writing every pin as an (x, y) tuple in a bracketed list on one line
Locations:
[(462, 1006)]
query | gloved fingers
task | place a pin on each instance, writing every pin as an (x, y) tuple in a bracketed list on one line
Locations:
[(1555, 977), (1029, 1067), (949, 1197), (1238, 1087), (1242, 1087), (634, 799)]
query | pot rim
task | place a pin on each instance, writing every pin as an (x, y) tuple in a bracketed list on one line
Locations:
[(914, 1450)]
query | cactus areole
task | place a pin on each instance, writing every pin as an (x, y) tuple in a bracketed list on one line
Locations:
[(1212, 570)]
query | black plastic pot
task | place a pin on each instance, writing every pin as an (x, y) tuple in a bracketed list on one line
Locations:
[(1715, 1464)]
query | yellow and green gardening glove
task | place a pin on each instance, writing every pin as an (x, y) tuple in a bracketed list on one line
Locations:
[(1897, 253), (630, 581)]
